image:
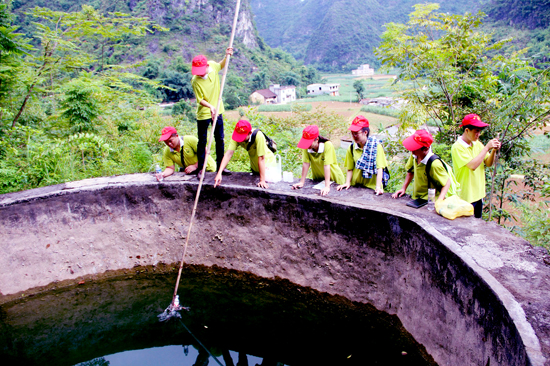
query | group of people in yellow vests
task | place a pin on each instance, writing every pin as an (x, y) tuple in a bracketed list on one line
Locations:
[(365, 161)]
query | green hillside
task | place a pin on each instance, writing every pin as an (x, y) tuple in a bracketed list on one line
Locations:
[(192, 27), (526, 21), (336, 35)]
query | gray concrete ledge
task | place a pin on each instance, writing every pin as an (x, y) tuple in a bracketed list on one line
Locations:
[(469, 291)]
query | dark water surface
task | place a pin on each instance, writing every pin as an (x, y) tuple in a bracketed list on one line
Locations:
[(114, 321)]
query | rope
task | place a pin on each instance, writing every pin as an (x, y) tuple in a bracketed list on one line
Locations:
[(211, 137), (202, 345)]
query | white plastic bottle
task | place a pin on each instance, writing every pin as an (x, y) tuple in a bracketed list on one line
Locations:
[(158, 170), (431, 199)]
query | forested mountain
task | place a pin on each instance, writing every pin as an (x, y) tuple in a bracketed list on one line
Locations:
[(192, 27), (526, 21), (336, 34), (530, 14)]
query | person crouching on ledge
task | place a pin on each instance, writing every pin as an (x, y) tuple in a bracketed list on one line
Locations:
[(319, 154), (365, 159), (426, 172), (260, 155), (181, 151)]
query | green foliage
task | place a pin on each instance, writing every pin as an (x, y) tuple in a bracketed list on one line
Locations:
[(526, 13), (534, 222), (359, 88), (381, 110), (69, 42), (260, 81), (184, 108), (291, 107), (32, 157), (79, 103), (308, 28), (179, 85), (454, 72)]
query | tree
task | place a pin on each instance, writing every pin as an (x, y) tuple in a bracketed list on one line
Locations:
[(179, 84), (64, 38), (12, 49), (290, 78), (260, 81), (455, 69), (80, 103), (359, 88)]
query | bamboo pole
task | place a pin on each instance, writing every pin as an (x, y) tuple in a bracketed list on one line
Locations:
[(210, 138)]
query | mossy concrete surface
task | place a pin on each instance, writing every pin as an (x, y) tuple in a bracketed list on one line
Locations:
[(469, 291)]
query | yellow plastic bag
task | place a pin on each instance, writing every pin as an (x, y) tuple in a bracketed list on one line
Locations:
[(453, 207)]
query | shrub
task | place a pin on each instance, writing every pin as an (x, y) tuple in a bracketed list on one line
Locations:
[(535, 223)]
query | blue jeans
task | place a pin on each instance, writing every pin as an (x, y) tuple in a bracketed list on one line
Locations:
[(202, 129)]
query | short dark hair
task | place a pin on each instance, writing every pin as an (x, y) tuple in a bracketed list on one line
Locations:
[(323, 139), (367, 130), (472, 128)]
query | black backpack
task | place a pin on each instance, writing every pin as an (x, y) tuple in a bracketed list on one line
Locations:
[(269, 142), (431, 182)]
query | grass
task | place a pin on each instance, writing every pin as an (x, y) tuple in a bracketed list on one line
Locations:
[(381, 110), (283, 107), (374, 88)]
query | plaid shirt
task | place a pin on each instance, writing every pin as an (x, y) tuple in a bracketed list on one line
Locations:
[(367, 161)]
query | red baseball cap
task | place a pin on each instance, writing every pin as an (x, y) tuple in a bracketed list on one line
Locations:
[(418, 139), (167, 132), (242, 129), (358, 123), (309, 134), (473, 120), (199, 65)]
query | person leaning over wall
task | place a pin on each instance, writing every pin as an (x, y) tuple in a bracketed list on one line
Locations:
[(261, 157), (319, 154), (469, 160), (206, 86), (181, 151), (365, 159), (426, 168)]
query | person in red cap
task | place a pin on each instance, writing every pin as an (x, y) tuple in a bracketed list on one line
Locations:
[(261, 157), (206, 86), (365, 159), (318, 152), (181, 151), (426, 168), (469, 160)]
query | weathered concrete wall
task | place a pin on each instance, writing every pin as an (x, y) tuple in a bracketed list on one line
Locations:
[(467, 290)]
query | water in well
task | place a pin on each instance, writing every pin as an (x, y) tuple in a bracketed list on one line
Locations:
[(234, 317)]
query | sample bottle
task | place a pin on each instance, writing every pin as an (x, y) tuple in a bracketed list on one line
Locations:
[(431, 199), (158, 170)]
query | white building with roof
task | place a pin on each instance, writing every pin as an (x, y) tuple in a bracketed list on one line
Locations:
[(285, 94), (319, 89), (363, 70)]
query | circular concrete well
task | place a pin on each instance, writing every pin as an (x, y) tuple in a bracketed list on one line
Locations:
[(468, 291)]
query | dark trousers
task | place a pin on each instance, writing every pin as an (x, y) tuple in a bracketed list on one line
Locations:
[(478, 208), (202, 128)]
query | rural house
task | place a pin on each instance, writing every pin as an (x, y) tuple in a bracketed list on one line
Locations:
[(318, 89), (276, 94), (263, 96), (363, 70)]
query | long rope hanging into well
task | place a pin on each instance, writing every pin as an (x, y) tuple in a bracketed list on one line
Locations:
[(174, 307)]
